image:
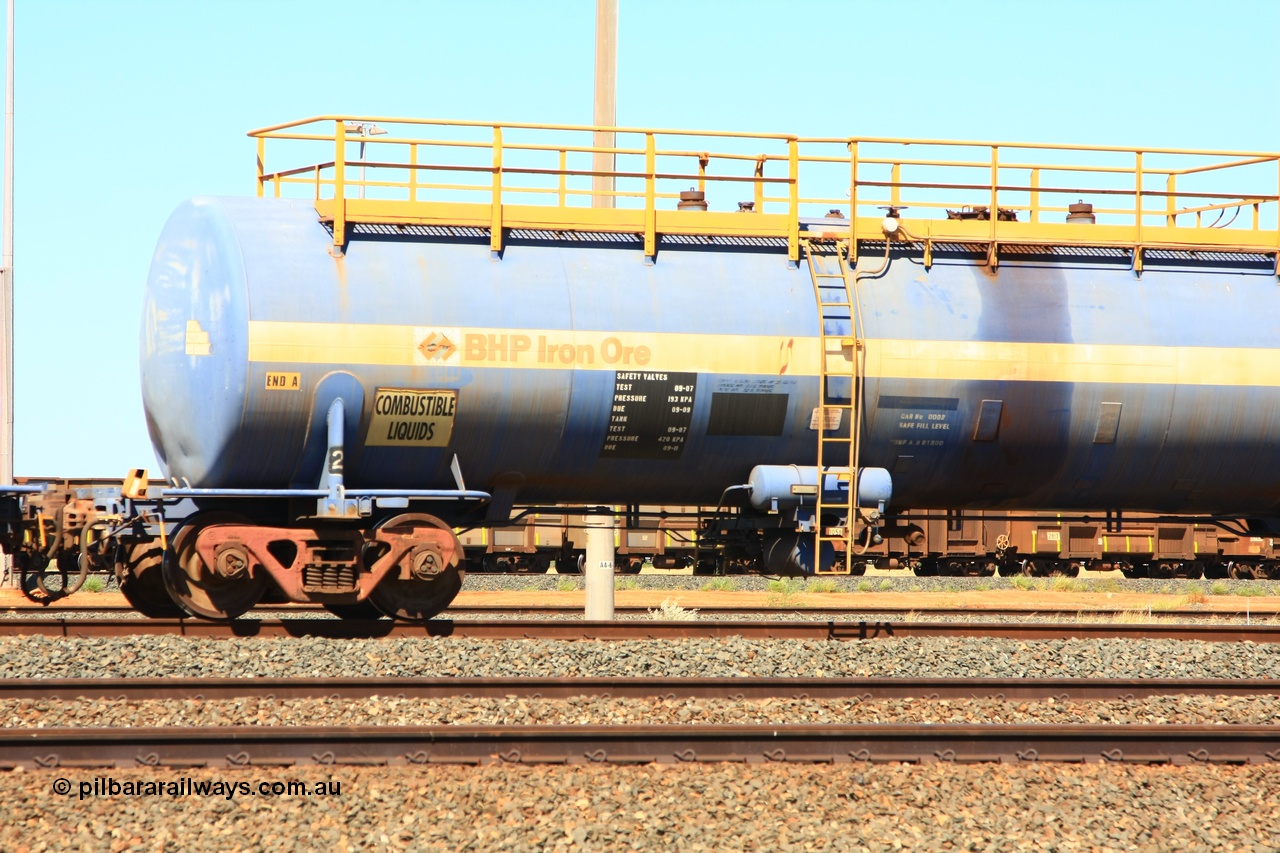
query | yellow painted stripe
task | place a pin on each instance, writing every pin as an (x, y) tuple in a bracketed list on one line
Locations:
[(323, 343), (1100, 363), (282, 343)]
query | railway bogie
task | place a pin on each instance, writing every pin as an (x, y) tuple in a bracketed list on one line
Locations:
[(171, 557), (1046, 544)]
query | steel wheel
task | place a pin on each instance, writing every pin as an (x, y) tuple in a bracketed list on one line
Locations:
[(196, 587), (926, 568), (141, 580), (417, 600), (1243, 571)]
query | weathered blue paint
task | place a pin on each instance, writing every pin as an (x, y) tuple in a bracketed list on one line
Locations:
[(538, 433)]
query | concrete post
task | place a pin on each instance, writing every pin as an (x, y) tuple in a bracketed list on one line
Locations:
[(597, 569), (606, 100)]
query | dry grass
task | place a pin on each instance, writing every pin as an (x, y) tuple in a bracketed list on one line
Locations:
[(720, 585), (671, 611), (1140, 617)]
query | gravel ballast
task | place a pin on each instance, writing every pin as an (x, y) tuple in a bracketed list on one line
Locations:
[(590, 710), (667, 807), (159, 656), (854, 807)]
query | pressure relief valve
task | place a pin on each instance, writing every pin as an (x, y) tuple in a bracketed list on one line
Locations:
[(891, 223)]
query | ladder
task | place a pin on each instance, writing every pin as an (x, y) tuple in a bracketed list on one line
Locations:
[(841, 351)]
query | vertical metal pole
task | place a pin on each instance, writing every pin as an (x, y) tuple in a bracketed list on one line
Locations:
[(6, 295), (332, 478), (597, 570), (339, 189), (606, 100), (6, 292), (361, 161), (262, 164)]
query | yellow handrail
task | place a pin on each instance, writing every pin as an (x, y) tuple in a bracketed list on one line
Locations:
[(1014, 189)]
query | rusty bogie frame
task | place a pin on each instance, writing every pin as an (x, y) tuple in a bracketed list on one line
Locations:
[(173, 559), (330, 564)]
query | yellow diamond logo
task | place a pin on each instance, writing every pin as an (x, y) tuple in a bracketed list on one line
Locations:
[(436, 347)]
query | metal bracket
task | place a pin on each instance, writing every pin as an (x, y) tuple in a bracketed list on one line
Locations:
[(336, 504)]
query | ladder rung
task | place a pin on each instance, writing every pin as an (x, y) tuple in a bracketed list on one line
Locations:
[(836, 448)]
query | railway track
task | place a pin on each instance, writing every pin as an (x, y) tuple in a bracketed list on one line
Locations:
[(547, 629), (552, 611), (73, 752), (738, 688), (257, 746)]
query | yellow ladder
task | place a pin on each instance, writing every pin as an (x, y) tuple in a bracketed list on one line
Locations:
[(837, 453)]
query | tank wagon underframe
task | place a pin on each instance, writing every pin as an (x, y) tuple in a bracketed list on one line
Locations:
[(720, 540), (810, 332)]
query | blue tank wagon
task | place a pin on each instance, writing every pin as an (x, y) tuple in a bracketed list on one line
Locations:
[(357, 339)]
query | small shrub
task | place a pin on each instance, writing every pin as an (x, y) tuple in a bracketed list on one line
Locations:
[(94, 584), (1219, 588), (821, 585), (782, 591), (1194, 598), (864, 586), (982, 586), (720, 585), (1252, 590), (1022, 582), (566, 585), (886, 584), (626, 583), (671, 611)]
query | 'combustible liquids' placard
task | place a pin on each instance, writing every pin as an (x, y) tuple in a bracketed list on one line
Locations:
[(411, 418)]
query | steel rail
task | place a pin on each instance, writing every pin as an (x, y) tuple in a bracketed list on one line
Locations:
[(256, 746), (737, 688), (806, 610), (635, 629)]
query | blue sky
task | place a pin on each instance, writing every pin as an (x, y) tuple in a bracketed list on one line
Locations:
[(124, 109)]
